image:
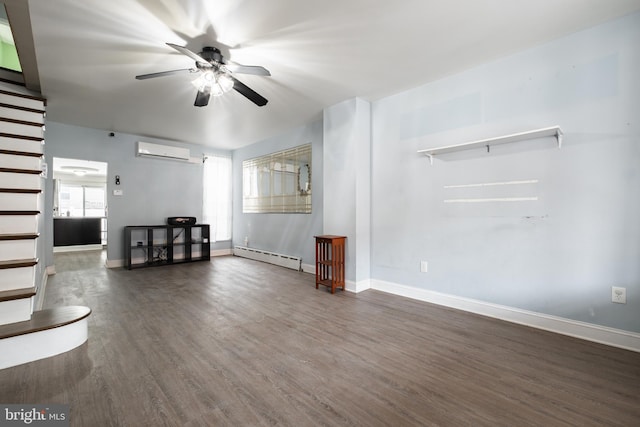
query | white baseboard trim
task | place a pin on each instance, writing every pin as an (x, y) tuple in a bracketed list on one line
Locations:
[(587, 331), (362, 285), (114, 263), (221, 252), (77, 248), (51, 270), (349, 285), (39, 299)]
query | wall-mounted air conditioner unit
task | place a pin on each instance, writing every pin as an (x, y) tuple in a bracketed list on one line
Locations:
[(163, 151)]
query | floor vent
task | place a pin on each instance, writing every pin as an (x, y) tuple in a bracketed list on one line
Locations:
[(270, 257)]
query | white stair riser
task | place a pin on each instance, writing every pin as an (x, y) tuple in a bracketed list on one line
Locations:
[(21, 102), (17, 278), (24, 130), (38, 345), (17, 144), (19, 162), (13, 224), (17, 310), (27, 116), (17, 249), (20, 180), (19, 201)]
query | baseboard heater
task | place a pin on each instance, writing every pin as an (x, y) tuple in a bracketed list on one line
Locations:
[(287, 261)]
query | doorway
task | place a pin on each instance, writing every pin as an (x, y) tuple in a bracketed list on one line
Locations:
[(79, 204)]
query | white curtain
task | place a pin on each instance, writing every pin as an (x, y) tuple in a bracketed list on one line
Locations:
[(216, 209)]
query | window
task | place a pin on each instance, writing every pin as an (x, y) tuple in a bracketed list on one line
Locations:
[(278, 182), (216, 200), (81, 200), (8, 53)]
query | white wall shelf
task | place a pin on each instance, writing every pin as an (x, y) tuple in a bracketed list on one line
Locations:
[(554, 131)]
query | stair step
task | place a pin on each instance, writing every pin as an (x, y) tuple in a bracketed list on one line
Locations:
[(20, 153), (20, 145), (15, 294), (20, 180), (12, 77), (19, 212), (61, 328), (29, 171), (21, 127), (14, 246), (25, 163), (21, 122), (18, 136), (21, 108), (19, 236), (12, 222), (38, 100), (21, 113), (18, 263), (21, 190), (45, 319), (20, 201)]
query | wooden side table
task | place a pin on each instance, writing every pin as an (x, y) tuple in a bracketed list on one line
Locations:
[(330, 261)]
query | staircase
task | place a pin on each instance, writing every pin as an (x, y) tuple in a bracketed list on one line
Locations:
[(26, 335)]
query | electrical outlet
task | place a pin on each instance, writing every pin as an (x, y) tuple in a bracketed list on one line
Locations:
[(423, 266), (618, 295)]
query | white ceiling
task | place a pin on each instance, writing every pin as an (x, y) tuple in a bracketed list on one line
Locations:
[(62, 166), (319, 53)]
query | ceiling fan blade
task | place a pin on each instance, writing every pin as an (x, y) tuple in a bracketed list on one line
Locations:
[(166, 73), (185, 51), (249, 93), (202, 98), (256, 70)]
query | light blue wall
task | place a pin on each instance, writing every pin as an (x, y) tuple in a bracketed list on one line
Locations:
[(558, 255), (347, 182), (289, 234), (153, 189)]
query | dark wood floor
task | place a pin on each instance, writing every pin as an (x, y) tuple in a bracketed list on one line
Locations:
[(242, 343)]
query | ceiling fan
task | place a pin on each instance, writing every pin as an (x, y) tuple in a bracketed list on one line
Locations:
[(216, 75)]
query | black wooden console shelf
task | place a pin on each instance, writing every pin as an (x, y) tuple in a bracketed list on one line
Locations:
[(152, 245)]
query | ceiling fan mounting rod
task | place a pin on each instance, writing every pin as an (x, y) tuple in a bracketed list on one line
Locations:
[(212, 54)]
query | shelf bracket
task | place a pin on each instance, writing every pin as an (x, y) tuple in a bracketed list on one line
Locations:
[(559, 136), (430, 158)]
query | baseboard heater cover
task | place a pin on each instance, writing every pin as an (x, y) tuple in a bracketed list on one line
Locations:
[(270, 257)]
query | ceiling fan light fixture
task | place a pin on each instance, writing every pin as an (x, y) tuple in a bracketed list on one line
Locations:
[(224, 82), (219, 81), (204, 79)]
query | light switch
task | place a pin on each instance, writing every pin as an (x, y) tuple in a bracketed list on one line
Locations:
[(117, 192)]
